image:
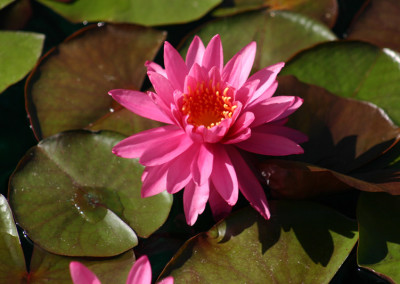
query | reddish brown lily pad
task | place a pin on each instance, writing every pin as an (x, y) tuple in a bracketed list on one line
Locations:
[(378, 23), (68, 89), (344, 134)]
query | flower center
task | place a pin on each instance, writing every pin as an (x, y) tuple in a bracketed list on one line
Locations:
[(207, 105)]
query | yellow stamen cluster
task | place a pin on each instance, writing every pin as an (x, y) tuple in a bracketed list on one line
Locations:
[(207, 105)]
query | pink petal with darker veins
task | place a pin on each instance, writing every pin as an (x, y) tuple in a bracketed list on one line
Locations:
[(284, 131), (270, 144), (135, 145), (195, 52), (202, 165), (194, 201), (154, 180), (237, 70), (163, 88), (296, 104), (80, 274), (248, 184), (213, 55), (240, 130), (140, 272), (175, 67), (139, 103)]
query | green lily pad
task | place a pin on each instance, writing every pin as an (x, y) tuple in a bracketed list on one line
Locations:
[(266, 28), (379, 246), (68, 89), (12, 261), (74, 197), (324, 11), (46, 266), (303, 242), (344, 134), (378, 23), (352, 69), (143, 12), (4, 3), (19, 52)]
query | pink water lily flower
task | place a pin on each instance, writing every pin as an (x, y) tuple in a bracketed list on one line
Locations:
[(212, 112), (140, 273)]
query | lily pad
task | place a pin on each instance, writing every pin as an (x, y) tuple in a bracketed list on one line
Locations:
[(68, 89), (344, 134), (4, 3), (378, 23), (379, 245), (303, 242), (74, 197), (19, 52), (324, 11), (352, 69), (46, 267), (12, 261), (143, 12), (266, 28)]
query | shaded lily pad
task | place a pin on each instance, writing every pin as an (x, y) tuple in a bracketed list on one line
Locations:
[(352, 69), (68, 89), (325, 10), (378, 23), (303, 242), (344, 134), (19, 52), (143, 12), (266, 28), (379, 245), (294, 180), (46, 266), (74, 197), (12, 261)]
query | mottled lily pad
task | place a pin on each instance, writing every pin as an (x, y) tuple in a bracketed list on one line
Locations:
[(19, 52), (74, 197), (68, 89), (352, 69), (379, 246), (303, 242), (12, 261), (143, 12), (266, 28)]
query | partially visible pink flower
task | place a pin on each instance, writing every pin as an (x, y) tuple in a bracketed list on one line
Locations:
[(140, 273), (211, 111)]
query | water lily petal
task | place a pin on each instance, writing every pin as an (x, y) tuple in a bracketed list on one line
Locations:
[(139, 103), (167, 280), (154, 180), (239, 128), (194, 200), (175, 67), (296, 104), (152, 66), (270, 144), (80, 274), (163, 87), (284, 131), (248, 184), (202, 165), (213, 55), (267, 77), (237, 70), (195, 52), (140, 272), (219, 208), (271, 109), (223, 176), (135, 145), (165, 149)]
